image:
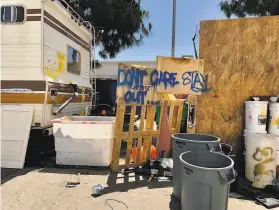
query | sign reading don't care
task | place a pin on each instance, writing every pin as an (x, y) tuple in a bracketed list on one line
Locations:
[(142, 85)]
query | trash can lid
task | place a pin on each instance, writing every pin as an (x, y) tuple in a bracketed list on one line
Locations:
[(196, 137), (206, 160)]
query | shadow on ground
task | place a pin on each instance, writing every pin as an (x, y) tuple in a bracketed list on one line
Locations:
[(76, 169), (118, 182), (174, 203), (9, 173)]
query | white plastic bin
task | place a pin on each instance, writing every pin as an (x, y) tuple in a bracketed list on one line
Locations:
[(273, 127), (255, 116), (260, 159), (83, 140)]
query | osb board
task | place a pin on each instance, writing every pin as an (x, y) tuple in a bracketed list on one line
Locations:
[(241, 59), (184, 75)]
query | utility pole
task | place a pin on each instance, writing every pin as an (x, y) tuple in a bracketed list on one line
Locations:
[(173, 28)]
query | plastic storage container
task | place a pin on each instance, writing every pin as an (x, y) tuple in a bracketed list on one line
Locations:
[(260, 159), (206, 179), (182, 142), (255, 116), (277, 142), (83, 140), (273, 126)]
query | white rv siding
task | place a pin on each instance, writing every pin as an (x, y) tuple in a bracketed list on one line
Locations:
[(72, 108), (56, 10), (21, 46), (30, 4), (54, 42)]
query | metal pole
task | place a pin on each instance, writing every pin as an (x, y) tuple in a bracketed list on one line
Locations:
[(173, 28)]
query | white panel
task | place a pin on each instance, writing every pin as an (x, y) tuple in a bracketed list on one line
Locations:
[(37, 117), (21, 34), (71, 109), (30, 4), (56, 10), (18, 73), (38, 111), (21, 47), (56, 42), (15, 129), (20, 56)]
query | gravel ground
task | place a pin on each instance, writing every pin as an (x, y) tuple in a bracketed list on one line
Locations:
[(44, 189)]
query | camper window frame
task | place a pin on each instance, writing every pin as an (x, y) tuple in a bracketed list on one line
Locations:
[(67, 60), (15, 5)]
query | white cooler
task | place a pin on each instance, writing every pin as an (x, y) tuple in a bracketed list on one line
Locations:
[(84, 140)]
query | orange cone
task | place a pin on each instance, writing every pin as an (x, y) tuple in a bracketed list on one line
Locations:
[(152, 153)]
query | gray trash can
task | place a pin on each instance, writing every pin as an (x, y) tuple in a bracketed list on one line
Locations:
[(206, 179), (183, 142)]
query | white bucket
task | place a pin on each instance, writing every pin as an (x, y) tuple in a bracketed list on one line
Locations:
[(273, 127), (260, 160), (246, 133), (277, 143), (255, 116)]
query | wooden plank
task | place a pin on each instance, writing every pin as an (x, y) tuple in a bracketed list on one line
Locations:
[(139, 134), (170, 116), (187, 74), (146, 141), (117, 138), (175, 115), (150, 127), (179, 115), (140, 139), (130, 138)]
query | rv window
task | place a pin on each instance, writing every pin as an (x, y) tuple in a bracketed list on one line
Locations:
[(12, 14), (74, 62)]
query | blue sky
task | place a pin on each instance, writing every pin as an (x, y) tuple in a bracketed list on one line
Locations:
[(189, 14)]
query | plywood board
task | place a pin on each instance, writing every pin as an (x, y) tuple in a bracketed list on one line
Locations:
[(133, 86), (180, 76), (143, 86), (240, 59)]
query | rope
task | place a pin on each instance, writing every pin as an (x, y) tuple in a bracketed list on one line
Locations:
[(106, 201)]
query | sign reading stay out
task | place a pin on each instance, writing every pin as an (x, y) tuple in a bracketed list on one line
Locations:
[(142, 85)]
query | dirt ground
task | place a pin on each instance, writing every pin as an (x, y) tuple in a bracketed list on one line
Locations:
[(44, 189)]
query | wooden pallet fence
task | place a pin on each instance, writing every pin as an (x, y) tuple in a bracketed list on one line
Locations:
[(143, 136)]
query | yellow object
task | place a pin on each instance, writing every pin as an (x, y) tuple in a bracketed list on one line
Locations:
[(168, 97), (53, 71), (66, 118), (276, 121), (83, 94)]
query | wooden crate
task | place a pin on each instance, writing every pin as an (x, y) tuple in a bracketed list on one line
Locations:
[(144, 134)]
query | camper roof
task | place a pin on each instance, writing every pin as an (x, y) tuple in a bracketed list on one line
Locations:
[(74, 15)]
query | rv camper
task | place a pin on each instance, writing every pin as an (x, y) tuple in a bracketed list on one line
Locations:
[(46, 65)]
